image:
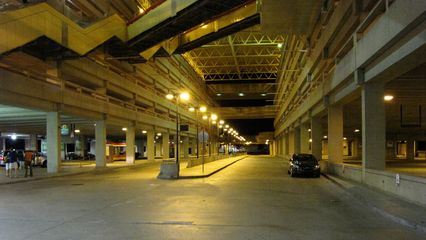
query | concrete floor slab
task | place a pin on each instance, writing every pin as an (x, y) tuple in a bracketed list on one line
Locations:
[(252, 199)]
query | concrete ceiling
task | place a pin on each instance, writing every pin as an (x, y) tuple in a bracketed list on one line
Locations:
[(289, 17)]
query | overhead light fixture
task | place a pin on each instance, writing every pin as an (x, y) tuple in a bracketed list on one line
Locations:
[(263, 94), (218, 94), (143, 131), (241, 94), (344, 138), (220, 126), (310, 140), (77, 131), (214, 122), (184, 96), (203, 109), (214, 117), (325, 136), (309, 130), (279, 45), (159, 134), (221, 122), (388, 98), (226, 126), (169, 96), (356, 130), (205, 117), (124, 129), (13, 137)]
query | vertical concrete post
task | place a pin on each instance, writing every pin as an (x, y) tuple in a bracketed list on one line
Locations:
[(150, 145), (2, 143), (355, 153), (373, 127), (186, 147), (130, 145), (291, 142), (335, 133), (286, 144), (33, 142), (194, 146), (53, 142), (316, 136), (166, 145), (100, 146), (410, 150), (304, 138), (278, 146), (296, 140)]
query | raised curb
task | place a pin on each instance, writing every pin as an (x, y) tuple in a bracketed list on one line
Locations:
[(395, 218), (212, 173)]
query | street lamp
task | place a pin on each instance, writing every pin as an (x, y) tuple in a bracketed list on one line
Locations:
[(184, 96), (196, 110)]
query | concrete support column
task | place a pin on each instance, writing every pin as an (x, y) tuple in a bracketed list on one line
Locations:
[(291, 142), (194, 146), (304, 138), (53, 142), (410, 149), (186, 147), (286, 144), (316, 136), (355, 143), (2, 144), (32, 142), (296, 140), (130, 145), (166, 145), (278, 146), (335, 133), (373, 127), (150, 145), (100, 146)]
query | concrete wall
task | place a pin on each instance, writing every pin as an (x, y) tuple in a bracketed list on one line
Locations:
[(410, 187)]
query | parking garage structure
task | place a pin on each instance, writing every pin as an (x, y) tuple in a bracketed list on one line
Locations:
[(323, 76), (360, 96)]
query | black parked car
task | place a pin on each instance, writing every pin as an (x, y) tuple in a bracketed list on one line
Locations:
[(304, 164)]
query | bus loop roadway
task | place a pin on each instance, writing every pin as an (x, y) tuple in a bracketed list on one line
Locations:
[(253, 198)]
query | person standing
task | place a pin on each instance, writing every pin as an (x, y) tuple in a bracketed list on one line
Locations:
[(20, 155), (29, 156), (12, 162)]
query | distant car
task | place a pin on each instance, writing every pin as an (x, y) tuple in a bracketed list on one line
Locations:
[(89, 156), (304, 164), (3, 157), (73, 156), (40, 160)]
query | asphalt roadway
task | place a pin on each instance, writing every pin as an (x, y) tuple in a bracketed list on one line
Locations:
[(251, 199)]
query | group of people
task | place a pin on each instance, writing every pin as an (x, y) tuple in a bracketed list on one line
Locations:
[(19, 159)]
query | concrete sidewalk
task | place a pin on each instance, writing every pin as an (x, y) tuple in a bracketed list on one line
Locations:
[(68, 168), (390, 206), (208, 169)]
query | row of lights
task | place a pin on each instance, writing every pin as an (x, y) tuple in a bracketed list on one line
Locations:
[(241, 94)]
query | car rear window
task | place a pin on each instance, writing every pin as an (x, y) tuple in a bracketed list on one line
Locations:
[(305, 158)]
